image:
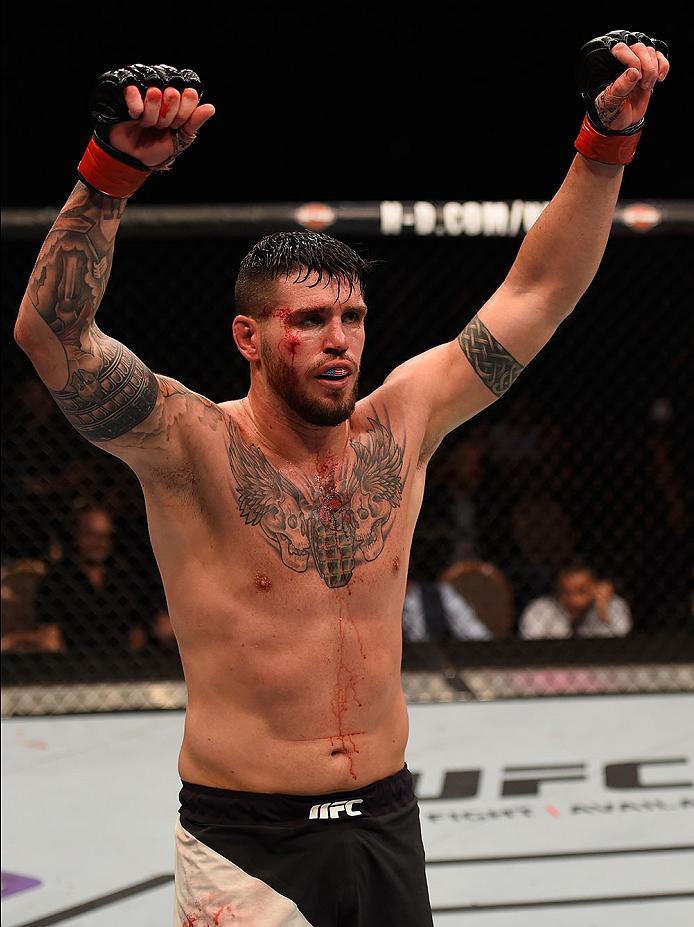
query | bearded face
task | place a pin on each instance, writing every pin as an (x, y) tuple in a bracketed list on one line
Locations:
[(286, 382)]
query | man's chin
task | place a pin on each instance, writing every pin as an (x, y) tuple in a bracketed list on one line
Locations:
[(325, 412), (326, 415)]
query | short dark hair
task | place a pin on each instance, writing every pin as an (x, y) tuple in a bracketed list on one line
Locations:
[(577, 565), (302, 253)]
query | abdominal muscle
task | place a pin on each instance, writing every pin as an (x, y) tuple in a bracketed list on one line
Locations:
[(275, 714), (244, 756)]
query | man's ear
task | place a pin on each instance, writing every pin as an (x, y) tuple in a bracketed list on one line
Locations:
[(245, 332)]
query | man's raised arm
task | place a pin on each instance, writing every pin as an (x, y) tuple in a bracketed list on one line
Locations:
[(144, 117), (560, 254)]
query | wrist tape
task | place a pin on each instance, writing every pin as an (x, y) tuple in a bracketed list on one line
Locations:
[(609, 149), (107, 171)]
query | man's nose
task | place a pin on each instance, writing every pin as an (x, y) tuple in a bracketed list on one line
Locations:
[(335, 338)]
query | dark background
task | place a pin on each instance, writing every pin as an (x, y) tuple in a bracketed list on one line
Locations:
[(338, 102)]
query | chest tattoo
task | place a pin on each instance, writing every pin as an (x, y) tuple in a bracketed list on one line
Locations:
[(332, 522)]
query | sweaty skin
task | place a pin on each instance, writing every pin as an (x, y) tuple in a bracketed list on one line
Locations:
[(275, 544), (282, 522), (275, 538), (290, 637)]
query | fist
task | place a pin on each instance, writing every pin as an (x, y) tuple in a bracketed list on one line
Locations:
[(149, 113), (625, 101), (617, 73), (150, 135)]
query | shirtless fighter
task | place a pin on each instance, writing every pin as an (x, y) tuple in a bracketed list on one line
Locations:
[(282, 521)]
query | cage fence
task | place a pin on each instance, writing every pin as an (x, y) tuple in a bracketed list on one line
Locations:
[(585, 461)]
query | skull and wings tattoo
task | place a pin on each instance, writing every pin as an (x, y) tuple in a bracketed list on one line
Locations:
[(336, 517)]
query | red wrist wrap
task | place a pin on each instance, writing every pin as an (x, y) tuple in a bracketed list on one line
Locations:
[(610, 149), (109, 175)]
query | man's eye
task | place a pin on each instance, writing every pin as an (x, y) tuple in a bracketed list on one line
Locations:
[(309, 321), (351, 317)]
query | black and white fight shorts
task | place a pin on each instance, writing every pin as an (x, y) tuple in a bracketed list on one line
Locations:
[(345, 859)]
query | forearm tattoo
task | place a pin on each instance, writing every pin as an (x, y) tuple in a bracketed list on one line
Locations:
[(492, 363), (108, 390)]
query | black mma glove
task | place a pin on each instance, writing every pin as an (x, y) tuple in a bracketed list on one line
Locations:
[(596, 69), (103, 167)]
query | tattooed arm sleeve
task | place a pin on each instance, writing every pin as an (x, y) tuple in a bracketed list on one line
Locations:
[(102, 387), (492, 363)]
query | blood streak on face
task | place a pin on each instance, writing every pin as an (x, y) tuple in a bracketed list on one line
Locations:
[(396, 564), (262, 582), (291, 339)]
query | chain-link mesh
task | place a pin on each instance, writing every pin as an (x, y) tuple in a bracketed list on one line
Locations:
[(584, 459)]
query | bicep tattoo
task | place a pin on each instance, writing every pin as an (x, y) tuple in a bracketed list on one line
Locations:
[(109, 390), (492, 363)]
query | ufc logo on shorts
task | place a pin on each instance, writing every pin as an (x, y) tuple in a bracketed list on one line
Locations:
[(332, 809)]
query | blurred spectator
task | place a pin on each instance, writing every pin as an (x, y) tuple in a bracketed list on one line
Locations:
[(544, 540), (529, 452), (463, 514), (19, 582), (434, 611), (92, 601), (41, 460), (663, 524), (474, 499), (48, 468), (583, 606)]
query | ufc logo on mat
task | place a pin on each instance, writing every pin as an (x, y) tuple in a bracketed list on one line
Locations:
[(332, 809)]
